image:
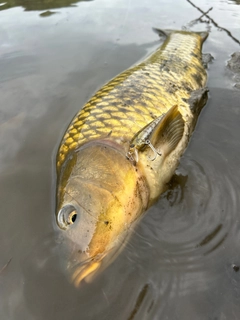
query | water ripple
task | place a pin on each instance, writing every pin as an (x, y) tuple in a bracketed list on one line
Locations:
[(187, 231)]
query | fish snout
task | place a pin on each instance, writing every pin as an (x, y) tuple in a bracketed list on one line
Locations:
[(85, 272)]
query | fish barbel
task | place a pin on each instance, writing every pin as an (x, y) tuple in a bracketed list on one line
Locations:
[(122, 148)]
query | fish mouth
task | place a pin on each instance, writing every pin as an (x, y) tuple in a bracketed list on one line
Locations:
[(85, 272)]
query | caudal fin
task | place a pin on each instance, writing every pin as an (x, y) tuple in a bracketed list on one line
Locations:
[(167, 32)]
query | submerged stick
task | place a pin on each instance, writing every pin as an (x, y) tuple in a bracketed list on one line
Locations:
[(191, 23), (215, 24), (5, 266)]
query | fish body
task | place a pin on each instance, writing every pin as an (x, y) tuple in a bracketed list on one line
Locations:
[(122, 148)]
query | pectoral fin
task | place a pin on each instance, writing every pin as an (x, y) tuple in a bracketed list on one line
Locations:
[(168, 132), (162, 135)]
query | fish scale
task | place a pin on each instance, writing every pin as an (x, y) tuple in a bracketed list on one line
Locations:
[(139, 125), (140, 94)]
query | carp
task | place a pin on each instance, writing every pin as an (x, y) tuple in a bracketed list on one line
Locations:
[(122, 148)]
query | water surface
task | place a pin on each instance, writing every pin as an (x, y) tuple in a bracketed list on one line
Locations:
[(182, 261)]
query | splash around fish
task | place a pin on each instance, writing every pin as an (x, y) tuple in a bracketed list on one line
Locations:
[(122, 148)]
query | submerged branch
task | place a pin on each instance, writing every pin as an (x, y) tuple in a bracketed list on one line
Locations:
[(200, 18), (5, 266), (213, 22)]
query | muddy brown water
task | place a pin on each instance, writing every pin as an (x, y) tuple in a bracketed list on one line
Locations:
[(183, 259)]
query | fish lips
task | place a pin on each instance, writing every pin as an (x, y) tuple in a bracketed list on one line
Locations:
[(85, 271)]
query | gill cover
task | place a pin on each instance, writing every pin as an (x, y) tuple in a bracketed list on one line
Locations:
[(100, 195)]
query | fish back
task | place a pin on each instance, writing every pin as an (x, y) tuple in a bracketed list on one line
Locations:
[(140, 94)]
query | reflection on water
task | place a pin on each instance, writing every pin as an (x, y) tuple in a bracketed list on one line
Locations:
[(47, 14), (234, 1), (37, 4), (182, 261), (15, 65), (139, 301)]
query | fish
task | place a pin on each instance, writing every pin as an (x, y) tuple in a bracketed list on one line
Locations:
[(120, 151)]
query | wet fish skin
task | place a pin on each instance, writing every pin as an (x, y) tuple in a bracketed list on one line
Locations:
[(138, 95), (101, 193)]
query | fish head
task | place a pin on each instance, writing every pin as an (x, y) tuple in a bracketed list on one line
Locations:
[(100, 194)]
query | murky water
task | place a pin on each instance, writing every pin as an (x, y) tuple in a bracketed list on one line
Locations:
[(183, 259)]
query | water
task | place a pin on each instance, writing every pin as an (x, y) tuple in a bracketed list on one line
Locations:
[(182, 260)]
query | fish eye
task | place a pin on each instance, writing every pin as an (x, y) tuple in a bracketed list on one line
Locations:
[(66, 216), (72, 217)]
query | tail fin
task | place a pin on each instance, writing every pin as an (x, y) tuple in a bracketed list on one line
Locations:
[(167, 32), (202, 34)]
